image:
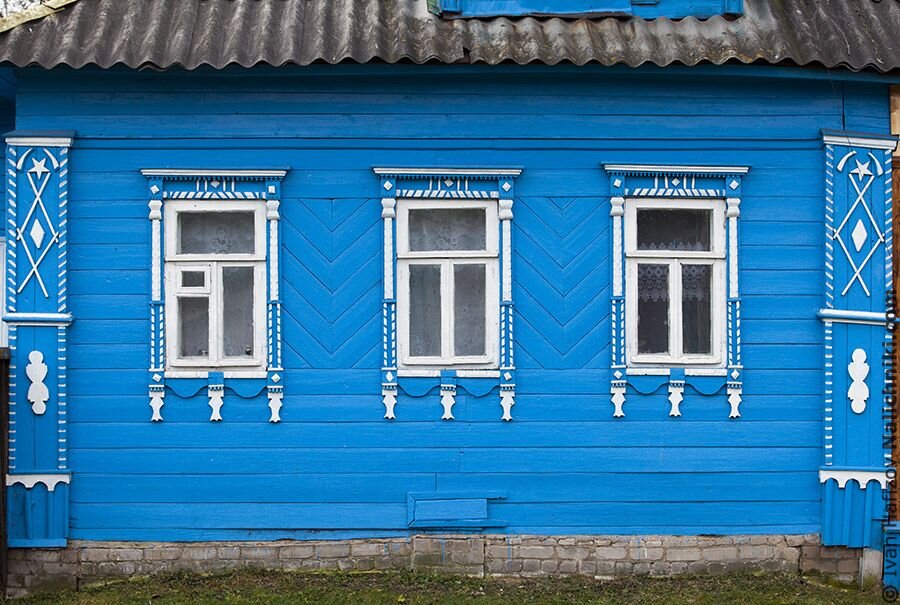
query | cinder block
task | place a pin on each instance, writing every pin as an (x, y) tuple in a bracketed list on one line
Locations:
[(684, 554), (610, 553)]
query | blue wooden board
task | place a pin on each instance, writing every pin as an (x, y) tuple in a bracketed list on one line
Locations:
[(334, 467)]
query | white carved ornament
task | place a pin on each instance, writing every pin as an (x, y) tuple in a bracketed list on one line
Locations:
[(215, 393), (37, 223), (862, 477), (861, 178), (276, 394), (38, 393), (448, 400), (858, 393), (676, 396), (29, 481)]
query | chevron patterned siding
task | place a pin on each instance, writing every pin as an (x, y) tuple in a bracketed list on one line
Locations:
[(332, 282), (562, 275), (334, 467)]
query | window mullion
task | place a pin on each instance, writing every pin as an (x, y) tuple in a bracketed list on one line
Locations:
[(215, 310), (675, 312), (447, 310)]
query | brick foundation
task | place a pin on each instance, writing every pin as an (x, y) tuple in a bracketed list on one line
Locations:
[(600, 556)]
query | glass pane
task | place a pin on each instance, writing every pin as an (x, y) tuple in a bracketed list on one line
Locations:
[(193, 279), (216, 233), (447, 229), (653, 308), (696, 307), (469, 309), (673, 229), (193, 332), (425, 310), (237, 311)]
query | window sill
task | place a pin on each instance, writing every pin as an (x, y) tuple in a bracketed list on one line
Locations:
[(697, 370), (204, 374), (436, 372)]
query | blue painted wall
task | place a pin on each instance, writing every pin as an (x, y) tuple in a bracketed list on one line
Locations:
[(334, 467)]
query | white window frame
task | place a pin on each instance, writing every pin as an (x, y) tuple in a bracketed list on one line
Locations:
[(447, 260), (716, 257), (212, 265)]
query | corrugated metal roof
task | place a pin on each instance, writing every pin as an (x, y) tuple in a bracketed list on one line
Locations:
[(854, 34)]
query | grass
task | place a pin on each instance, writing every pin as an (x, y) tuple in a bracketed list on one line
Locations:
[(408, 588)]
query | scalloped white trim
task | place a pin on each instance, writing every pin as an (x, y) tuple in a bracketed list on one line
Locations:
[(29, 481), (862, 478)]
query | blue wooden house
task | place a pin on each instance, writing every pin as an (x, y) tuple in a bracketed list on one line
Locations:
[(519, 286)]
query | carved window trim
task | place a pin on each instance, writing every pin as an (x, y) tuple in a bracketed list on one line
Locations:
[(257, 189), (174, 265), (490, 258), (449, 186), (630, 183), (716, 257)]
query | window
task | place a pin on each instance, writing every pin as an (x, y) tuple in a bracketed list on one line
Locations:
[(675, 281), (448, 283), (215, 275)]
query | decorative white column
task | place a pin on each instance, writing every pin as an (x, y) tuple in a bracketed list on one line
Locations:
[(389, 304), (507, 348), (157, 385), (37, 184), (617, 310), (274, 389), (734, 385)]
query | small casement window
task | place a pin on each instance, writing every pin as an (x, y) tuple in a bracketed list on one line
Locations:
[(215, 276), (447, 283), (675, 281)]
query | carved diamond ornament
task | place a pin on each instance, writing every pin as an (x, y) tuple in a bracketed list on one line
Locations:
[(37, 234), (859, 235)]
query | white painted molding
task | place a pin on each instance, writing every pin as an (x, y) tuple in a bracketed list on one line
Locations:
[(862, 477), (706, 371), (711, 170), (38, 393), (275, 398), (38, 319), (388, 213), (618, 400), (29, 481), (858, 392), (448, 400), (448, 171), (676, 396), (477, 373), (658, 371), (389, 399), (39, 141), (507, 401), (857, 317), (216, 392), (227, 374), (734, 400), (173, 172), (647, 371), (732, 213), (157, 401), (505, 216), (272, 210), (436, 373), (617, 211), (273, 216), (860, 141)]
